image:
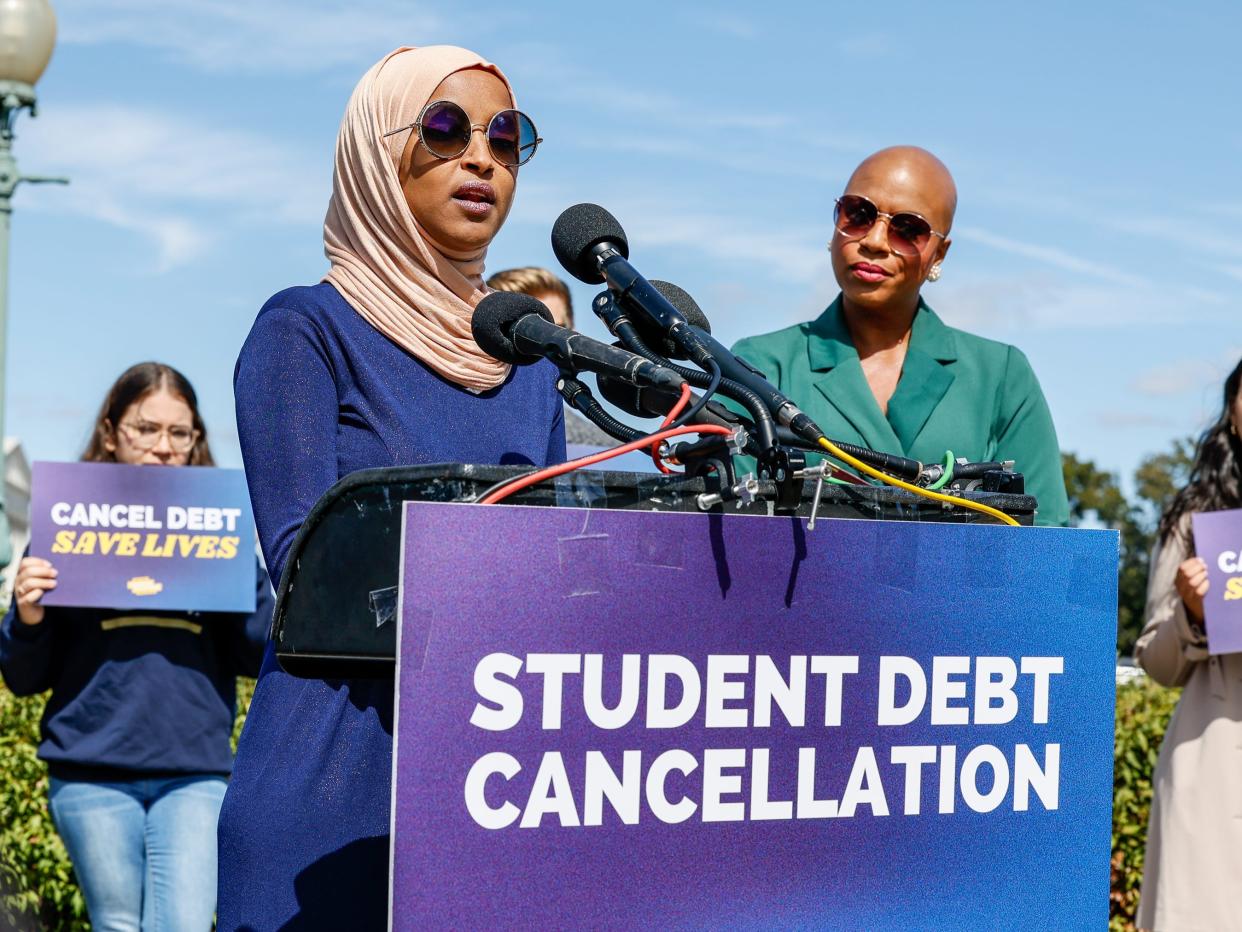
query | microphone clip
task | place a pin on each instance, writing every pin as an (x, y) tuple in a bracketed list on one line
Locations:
[(784, 467)]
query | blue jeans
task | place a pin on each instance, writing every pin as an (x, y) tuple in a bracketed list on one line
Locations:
[(144, 851)]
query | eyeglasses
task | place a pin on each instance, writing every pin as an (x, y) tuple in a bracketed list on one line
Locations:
[(445, 129), (908, 233), (144, 436)]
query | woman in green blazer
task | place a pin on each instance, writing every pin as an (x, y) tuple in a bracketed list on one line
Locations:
[(878, 368)]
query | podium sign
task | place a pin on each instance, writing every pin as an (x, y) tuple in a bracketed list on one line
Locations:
[(621, 718)]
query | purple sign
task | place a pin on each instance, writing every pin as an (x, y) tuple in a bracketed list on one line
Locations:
[(144, 536), (1218, 540), (616, 719)]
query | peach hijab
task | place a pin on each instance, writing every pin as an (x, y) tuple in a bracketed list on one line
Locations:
[(388, 268)]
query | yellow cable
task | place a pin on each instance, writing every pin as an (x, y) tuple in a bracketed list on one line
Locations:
[(858, 464)]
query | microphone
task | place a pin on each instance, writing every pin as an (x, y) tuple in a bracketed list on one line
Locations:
[(657, 402), (518, 329), (647, 401), (621, 326), (613, 317), (592, 246)]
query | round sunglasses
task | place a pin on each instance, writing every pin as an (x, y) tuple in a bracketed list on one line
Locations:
[(908, 233), (444, 129)]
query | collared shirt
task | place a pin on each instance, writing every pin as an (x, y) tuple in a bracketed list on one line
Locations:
[(957, 391)]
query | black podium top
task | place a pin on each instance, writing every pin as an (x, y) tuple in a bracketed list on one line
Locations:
[(337, 599)]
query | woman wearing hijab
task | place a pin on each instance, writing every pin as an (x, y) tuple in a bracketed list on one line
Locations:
[(879, 369), (373, 366)]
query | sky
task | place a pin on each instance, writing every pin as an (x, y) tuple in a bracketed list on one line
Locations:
[(1096, 147)]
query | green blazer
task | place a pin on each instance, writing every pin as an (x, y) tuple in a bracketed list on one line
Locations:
[(957, 391)]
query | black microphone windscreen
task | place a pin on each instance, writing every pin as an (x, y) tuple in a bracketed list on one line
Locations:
[(577, 231), (493, 320), (678, 297)]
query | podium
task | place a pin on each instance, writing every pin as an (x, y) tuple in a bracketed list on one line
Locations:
[(621, 718), (625, 711), (330, 623)]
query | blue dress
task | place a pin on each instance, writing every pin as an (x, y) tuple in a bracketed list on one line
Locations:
[(320, 393)]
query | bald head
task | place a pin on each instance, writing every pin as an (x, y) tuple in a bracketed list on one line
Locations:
[(908, 178)]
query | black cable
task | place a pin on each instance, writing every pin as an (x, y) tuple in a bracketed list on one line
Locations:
[(764, 425), (688, 416), (898, 466), (579, 397), (502, 483)]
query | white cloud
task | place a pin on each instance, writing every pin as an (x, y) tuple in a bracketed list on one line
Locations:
[(867, 46), (1206, 295), (1231, 210), (1004, 306), (698, 149), (736, 27), (755, 248), (1127, 420), (177, 240), (175, 180), (1174, 378), (243, 35), (1050, 255), (1186, 375), (1166, 223)]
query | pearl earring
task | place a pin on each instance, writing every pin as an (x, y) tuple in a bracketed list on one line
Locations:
[(934, 274)]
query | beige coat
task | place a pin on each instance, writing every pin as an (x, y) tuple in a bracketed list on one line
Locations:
[(1192, 875)]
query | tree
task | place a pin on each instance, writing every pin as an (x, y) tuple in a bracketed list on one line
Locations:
[(1160, 475), (1092, 492), (1096, 496)]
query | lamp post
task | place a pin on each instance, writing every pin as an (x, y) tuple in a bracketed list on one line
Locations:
[(27, 35)]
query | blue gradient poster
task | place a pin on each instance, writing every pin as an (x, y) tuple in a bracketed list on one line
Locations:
[(627, 719), (153, 537)]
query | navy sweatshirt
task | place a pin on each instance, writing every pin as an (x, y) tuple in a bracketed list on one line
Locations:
[(135, 694), (320, 393)]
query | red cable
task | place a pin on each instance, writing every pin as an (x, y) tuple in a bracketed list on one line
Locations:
[(668, 419), (552, 471)]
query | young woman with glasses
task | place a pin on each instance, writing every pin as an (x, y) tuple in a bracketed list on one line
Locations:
[(374, 366), (879, 369), (136, 729), (1190, 873)]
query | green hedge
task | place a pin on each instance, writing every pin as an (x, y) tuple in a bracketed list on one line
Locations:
[(36, 878), (37, 889), (37, 886), (1143, 710)]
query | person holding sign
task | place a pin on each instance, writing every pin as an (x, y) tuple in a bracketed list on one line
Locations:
[(1194, 849), (136, 730), (374, 366)]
